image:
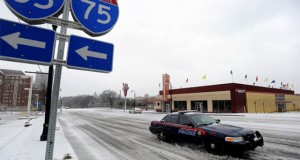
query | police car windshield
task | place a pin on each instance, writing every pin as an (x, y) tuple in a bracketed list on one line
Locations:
[(202, 119)]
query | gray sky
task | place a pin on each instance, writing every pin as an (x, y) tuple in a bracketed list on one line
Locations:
[(189, 39)]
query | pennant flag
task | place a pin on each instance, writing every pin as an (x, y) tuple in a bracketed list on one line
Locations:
[(281, 84), (231, 72), (256, 78), (246, 76), (273, 81), (266, 80), (187, 80), (159, 84), (204, 77)]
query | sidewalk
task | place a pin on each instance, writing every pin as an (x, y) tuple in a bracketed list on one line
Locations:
[(23, 143)]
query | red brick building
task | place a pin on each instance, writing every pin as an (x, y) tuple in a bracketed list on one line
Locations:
[(13, 93)]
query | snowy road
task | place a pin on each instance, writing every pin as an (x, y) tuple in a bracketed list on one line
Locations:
[(106, 134)]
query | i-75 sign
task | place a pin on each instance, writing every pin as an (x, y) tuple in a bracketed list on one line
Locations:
[(98, 17)]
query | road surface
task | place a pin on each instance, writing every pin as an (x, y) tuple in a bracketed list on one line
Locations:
[(115, 134)]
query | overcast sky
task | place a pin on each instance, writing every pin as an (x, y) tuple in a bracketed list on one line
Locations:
[(190, 39)]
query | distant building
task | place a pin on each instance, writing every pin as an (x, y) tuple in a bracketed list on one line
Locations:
[(13, 93), (229, 98)]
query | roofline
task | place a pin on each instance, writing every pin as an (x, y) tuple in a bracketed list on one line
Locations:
[(229, 87)]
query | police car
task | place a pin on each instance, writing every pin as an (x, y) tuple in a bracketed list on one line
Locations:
[(203, 129)]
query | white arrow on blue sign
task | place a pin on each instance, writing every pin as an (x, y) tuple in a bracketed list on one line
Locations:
[(32, 11), (24, 43), (88, 54), (98, 17)]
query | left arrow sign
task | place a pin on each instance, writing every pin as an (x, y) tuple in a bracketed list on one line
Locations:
[(25, 43), (15, 39)]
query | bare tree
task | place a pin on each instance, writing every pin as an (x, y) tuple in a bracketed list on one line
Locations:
[(109, 96)]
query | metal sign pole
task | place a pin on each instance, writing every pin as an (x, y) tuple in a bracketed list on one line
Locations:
[(56, 86)]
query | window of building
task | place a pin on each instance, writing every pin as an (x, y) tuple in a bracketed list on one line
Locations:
[(180, 105), (199, 105), (222, 106)]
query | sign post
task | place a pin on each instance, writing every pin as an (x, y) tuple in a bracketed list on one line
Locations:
[(56, 86)]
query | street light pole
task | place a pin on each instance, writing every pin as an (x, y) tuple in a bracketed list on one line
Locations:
[(171, 97), (133, 98), (29, 103), (37, 101)]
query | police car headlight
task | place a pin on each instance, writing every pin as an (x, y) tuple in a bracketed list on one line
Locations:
[(234, 139)]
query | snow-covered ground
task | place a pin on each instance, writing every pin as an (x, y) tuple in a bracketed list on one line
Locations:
[(23, 143), (103, 134)]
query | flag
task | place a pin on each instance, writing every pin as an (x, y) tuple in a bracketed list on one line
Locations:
[(204, 77), (256, 78), (266, 80), (273, 81), (187, 80), (246, 76), (231, 72), (159, 84)]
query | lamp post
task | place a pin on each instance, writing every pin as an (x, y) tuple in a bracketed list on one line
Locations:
[(60, 101), (37, 101), (29, 103), (171, 97), (133, 98)]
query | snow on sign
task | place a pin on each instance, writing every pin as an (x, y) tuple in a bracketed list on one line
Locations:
[(32, 11), (98, 17)]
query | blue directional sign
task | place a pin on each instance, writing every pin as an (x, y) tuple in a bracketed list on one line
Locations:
[(24, 43), (98, 17), (88, 54), (34, 10)]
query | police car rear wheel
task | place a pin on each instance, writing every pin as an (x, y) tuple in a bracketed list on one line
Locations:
[(161, 135)]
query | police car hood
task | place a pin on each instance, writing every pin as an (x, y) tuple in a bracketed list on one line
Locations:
[(227, 130)]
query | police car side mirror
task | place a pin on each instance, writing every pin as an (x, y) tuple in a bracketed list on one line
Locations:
[(218, 120)]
